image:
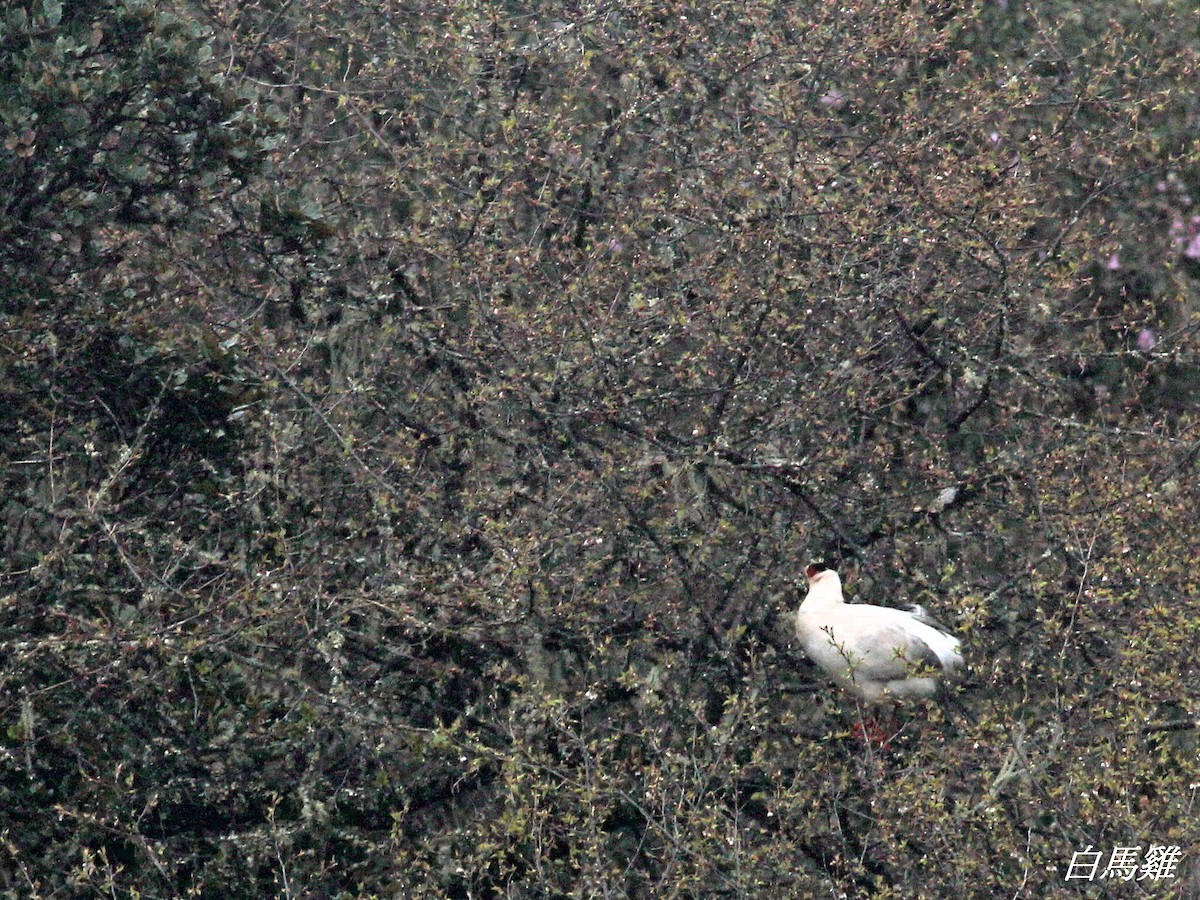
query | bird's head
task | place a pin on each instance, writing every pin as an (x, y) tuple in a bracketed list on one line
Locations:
[(821, 577)]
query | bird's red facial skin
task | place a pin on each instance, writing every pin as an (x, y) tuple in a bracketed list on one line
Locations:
[(811, 572)]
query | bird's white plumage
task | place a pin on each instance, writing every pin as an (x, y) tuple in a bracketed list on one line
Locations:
[(878, 652)]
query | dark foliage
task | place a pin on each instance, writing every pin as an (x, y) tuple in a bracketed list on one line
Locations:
[(417, 418)]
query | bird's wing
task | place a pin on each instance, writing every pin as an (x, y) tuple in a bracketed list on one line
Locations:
[(875, 644), (891, 651), (921, 614)]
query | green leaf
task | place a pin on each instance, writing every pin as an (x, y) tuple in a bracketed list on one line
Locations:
[(52, 12)]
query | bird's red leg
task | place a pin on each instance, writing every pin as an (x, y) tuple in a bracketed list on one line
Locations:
[(869, 730)]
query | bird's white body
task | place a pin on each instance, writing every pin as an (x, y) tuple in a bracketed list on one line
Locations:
[(877, 652)]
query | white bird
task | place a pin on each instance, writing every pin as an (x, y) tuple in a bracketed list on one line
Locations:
[(879, 653)]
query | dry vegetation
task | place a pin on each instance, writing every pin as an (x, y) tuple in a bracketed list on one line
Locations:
[(417, 416)]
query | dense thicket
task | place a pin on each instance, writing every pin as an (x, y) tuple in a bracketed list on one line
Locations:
[(417, 417)]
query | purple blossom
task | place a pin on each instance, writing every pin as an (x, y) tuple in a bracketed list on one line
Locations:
[(833, 98), (1185, 235), (1146, 340)]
